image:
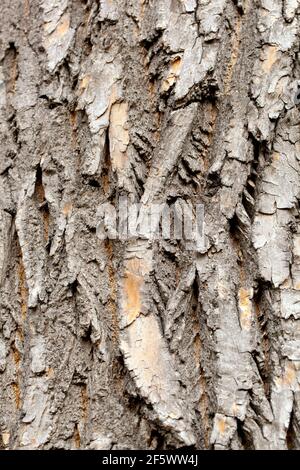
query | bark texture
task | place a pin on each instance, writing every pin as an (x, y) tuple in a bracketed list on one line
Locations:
[(140, 344)]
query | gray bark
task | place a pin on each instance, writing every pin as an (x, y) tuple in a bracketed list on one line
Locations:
[(120, 344)]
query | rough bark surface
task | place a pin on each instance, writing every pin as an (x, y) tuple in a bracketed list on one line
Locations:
[(139, 344)]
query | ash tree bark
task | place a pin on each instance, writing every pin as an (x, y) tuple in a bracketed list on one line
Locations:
[(115, 344)]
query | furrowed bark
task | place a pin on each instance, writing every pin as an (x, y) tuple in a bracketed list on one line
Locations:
[(142, 344)]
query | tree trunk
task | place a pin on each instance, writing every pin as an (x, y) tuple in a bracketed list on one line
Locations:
[(136, 343)]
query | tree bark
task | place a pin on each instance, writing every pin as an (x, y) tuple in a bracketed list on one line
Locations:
[(140, 344)]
